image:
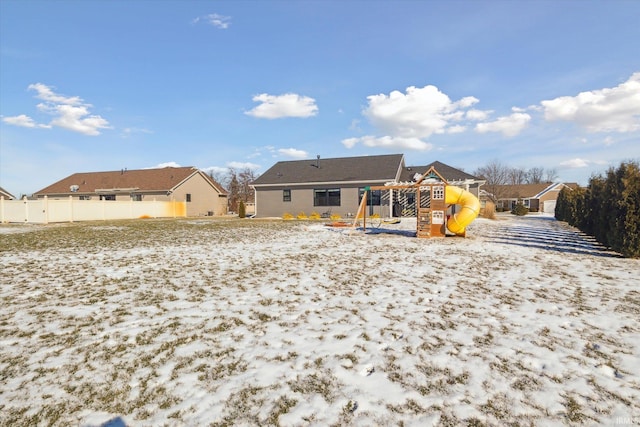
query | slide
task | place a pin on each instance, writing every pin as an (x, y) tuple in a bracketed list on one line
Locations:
[(470, 208)]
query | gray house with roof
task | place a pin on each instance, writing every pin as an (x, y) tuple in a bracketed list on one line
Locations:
[(336, 185)]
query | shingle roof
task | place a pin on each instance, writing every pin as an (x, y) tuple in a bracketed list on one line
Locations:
[(4, 193), (449, 173), (344, 169), (142, 180), (528, 191)]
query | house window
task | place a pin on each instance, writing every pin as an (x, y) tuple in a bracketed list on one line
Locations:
[(136, 197), (107, 197), (526, 203), (84, 198), (286, 195), (188, 197), (373, 198), (326, 197)]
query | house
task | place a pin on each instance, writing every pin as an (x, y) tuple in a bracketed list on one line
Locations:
[(201, 193), (336, 185), (536, 197), (6, 194)]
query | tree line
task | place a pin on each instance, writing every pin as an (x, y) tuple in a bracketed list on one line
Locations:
[(608, 209), (497, 174)]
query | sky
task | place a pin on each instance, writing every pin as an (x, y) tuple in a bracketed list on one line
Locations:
[(105, 85)]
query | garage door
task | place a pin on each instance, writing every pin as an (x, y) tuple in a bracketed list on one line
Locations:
[(549, 206)]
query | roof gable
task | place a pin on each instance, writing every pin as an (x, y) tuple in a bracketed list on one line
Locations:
[(4, 193), (344, 169), (449, 173), (141, 180)]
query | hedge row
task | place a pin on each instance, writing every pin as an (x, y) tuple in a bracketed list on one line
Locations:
[(608, 209)]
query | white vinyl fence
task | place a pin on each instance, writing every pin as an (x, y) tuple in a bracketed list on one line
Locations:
[(44, 211)]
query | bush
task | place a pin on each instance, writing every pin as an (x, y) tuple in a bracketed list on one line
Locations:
[(302, 215), (519, 209), (608, 209), (314, 215), (287, 215), (489, 210), (242, 210)]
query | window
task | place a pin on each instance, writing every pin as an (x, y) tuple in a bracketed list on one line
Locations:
[(107, 197), (84, 198), (188, 197), (438, 192), (136, 197), (286, 195), (326, 197), (373, 198)]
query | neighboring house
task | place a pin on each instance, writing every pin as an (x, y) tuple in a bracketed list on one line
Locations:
[(6, 194), (335, 186), (203, 195), (536, 197)]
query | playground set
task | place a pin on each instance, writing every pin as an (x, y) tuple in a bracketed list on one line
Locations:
[(432, 196)]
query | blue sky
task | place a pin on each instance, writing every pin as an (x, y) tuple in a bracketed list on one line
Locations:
[(105, 85)]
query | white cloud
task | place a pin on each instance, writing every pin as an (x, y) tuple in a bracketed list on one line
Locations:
[(508, 125), (388, 142), (418, 113), (477, 115), (605, 110), (279, 106), (575, 163), (129, 131), (243, 165), (23, 121), (69, 113), (219, 21), (165, 165), (215, 170), (293, 153)]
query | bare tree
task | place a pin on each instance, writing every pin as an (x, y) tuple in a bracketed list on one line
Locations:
[(535, 175), (233, 189), (245, 179), (516, 176), (551, 175), (495, 174), (238, 185)]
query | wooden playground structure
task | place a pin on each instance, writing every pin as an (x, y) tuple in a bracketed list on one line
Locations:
[(433, 196)]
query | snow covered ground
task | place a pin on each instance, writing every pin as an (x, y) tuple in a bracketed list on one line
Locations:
[(248, 322)]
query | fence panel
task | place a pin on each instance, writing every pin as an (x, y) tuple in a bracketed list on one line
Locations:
[(45, 210)]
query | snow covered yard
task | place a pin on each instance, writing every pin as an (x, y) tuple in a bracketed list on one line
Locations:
[(210, 322)]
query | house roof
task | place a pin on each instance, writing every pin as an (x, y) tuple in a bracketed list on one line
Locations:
[(449, 173), (529, 191), (4, 193), (344, 169), (141, 180)]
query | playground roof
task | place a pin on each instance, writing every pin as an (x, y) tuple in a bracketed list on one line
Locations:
[(344, 169)]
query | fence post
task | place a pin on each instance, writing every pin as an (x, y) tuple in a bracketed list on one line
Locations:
[(1, 209), (45, 209), (26, 209)]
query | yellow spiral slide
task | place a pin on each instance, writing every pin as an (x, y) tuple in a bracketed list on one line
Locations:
[(470, 208)]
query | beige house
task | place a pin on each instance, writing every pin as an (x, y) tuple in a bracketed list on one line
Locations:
[(335, 185), (536, 197), (203, 196)]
